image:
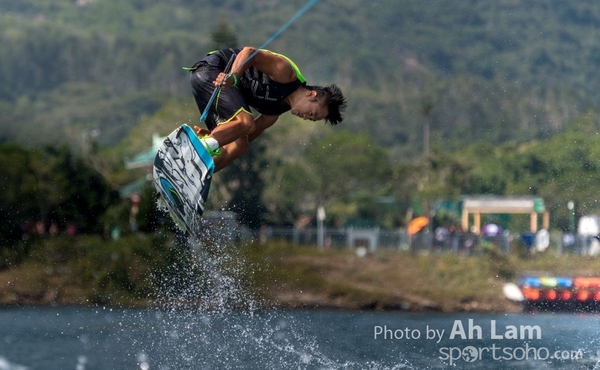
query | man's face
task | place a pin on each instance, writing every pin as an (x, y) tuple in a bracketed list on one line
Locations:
[(310, 108)]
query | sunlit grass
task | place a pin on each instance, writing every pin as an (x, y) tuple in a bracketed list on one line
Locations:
[(392, 279)]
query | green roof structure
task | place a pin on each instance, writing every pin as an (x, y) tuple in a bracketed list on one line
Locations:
[(145, 159)]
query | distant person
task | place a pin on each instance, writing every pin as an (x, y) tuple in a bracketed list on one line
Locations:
[(268, 82)]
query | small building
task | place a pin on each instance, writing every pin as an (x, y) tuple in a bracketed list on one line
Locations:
[(494, 204), (144, 159)]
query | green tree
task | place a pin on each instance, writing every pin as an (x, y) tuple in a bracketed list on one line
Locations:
[(69, 191), (19, 208), (343, 165), (245, 184), (223, 36), (49, 186), (289, 193)]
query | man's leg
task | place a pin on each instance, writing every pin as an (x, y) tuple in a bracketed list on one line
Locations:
[(230, 152), (231, 136), (240, 126), (230, 121)]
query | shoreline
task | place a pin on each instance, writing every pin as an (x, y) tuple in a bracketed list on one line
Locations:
[(136, 273), (291, 306), (292, 299)]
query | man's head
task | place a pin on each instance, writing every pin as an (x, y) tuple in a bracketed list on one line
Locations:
[(331, 97), (319, 103)]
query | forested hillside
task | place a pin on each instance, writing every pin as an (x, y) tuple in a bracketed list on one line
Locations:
[(491, 70), (507, 90)]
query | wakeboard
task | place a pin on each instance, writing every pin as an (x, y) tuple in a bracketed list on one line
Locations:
[(183, 171)]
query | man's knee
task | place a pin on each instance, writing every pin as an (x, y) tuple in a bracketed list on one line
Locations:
[(246, 123)]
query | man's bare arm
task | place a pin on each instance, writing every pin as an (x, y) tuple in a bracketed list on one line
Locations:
[(263, 122), (279, 69)]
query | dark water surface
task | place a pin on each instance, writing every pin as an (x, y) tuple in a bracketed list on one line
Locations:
[(108, 338)]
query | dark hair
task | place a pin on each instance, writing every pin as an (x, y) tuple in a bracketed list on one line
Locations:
[(333, 97)]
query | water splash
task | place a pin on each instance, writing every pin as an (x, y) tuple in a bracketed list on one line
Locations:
[(7, 365), (207, 317)]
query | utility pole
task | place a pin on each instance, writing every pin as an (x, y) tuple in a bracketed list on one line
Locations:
[(320, 228), (571, 208), (426, 108)]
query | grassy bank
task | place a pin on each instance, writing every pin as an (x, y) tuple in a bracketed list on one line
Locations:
[(301, 277), (88, 270), (83, 270)]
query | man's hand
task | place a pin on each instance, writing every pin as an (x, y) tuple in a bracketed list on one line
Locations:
[(224, 80)]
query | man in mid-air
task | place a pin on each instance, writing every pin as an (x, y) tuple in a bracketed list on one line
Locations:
[(269, 82)]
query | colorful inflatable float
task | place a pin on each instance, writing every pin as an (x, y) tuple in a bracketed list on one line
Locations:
[(546, 293)]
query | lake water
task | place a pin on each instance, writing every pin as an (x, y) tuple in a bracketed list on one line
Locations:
[(217, 334), (108, 338)]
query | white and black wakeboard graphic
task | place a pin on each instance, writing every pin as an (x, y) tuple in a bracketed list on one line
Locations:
[(183, 170)]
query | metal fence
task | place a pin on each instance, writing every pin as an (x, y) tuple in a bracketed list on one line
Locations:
[(379, 239), (427, 241), (585, 245)]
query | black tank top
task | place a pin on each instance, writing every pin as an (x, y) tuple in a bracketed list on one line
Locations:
[(259, 90)]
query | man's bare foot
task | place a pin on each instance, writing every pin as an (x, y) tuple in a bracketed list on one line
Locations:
[(201, 131)]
